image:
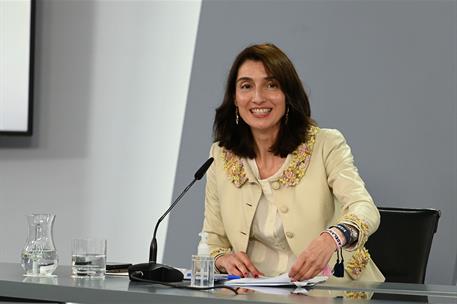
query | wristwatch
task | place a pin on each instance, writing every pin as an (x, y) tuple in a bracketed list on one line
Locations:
[(354, 234)]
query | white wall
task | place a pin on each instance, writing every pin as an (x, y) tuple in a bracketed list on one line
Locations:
[(111, 84)]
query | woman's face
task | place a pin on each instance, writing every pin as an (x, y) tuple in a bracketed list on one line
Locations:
[(260, 100)]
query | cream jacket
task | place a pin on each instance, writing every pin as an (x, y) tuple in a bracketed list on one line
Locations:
[(321, 187)]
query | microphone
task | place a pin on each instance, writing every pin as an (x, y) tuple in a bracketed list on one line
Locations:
[(159, 272)]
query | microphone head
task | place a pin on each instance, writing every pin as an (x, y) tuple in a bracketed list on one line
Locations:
[(201, 172)]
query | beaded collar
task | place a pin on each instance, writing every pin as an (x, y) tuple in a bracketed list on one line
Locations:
[(290, 177)]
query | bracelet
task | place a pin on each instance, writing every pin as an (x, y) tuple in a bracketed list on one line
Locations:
[(215, 266), (335, 237), (345, 231)]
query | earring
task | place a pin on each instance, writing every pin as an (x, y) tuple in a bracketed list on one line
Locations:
[(237, 118), (287, 116)]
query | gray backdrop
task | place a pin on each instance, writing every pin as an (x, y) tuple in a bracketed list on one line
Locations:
[(383, 72)]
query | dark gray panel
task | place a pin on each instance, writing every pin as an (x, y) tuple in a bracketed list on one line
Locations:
[(383, 72)]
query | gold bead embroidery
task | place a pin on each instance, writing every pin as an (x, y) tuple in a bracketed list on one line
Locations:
[(356, 295), (234, 168), (358, 262), (301, 157), (219, 251)]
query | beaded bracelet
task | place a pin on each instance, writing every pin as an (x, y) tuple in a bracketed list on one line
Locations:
[(335, 237)]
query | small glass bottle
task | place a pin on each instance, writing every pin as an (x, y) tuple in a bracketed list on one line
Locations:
[(202, 265), (39, 257)]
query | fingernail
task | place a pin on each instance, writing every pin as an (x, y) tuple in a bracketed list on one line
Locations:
[(256, 276)]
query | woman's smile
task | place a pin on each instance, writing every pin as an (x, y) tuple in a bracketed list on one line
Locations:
[(260, 112)]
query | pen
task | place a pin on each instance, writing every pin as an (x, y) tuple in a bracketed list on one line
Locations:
[(221, 276), (218, 276), (232, 277)]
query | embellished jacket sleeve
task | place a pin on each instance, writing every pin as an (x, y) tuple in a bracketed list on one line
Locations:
[(357, 206), (213, 225)]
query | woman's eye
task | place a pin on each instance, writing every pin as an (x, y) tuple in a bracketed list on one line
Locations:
[(245, 86), (272, 85)]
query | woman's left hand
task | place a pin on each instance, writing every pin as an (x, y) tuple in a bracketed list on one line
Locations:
[(313, 259)]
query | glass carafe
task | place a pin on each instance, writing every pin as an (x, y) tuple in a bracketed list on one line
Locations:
[(39, 258)]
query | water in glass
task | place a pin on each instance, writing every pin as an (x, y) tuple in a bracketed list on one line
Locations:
[(39, 257), (88, 265)]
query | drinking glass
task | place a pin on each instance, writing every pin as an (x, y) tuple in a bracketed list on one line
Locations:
[(88, 258), (202, 271)]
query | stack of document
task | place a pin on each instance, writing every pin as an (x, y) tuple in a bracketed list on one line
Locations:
[(282, 280)]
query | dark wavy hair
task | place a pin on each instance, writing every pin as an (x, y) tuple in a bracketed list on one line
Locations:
[(238, 137)]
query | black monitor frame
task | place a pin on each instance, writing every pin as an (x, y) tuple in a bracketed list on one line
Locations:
[(29, 130)]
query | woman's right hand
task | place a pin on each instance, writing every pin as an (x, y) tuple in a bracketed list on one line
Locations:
[(237, 263)]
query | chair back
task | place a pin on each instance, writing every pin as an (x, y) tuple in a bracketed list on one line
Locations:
[(401, 245)]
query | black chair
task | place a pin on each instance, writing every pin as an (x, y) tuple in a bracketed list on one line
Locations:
[(401, 245)]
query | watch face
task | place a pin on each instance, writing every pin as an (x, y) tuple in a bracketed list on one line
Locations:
[(354, 234)]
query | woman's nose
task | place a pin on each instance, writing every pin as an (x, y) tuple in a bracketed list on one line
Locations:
[(258, 96)]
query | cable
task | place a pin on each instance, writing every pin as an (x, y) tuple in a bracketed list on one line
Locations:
[(137, 278)]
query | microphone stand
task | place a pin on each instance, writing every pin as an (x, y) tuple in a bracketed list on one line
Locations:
[(154, 271), (153, 247)]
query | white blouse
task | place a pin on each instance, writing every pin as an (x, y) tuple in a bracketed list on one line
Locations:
[(268, 248)]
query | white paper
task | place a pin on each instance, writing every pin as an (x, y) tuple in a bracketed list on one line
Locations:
[(281, 280), (311, 282)]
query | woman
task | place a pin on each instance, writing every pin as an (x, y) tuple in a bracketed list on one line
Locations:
[(283, 195)]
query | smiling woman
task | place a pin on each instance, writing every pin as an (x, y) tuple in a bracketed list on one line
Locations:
[(16, 66), (283, 195)]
